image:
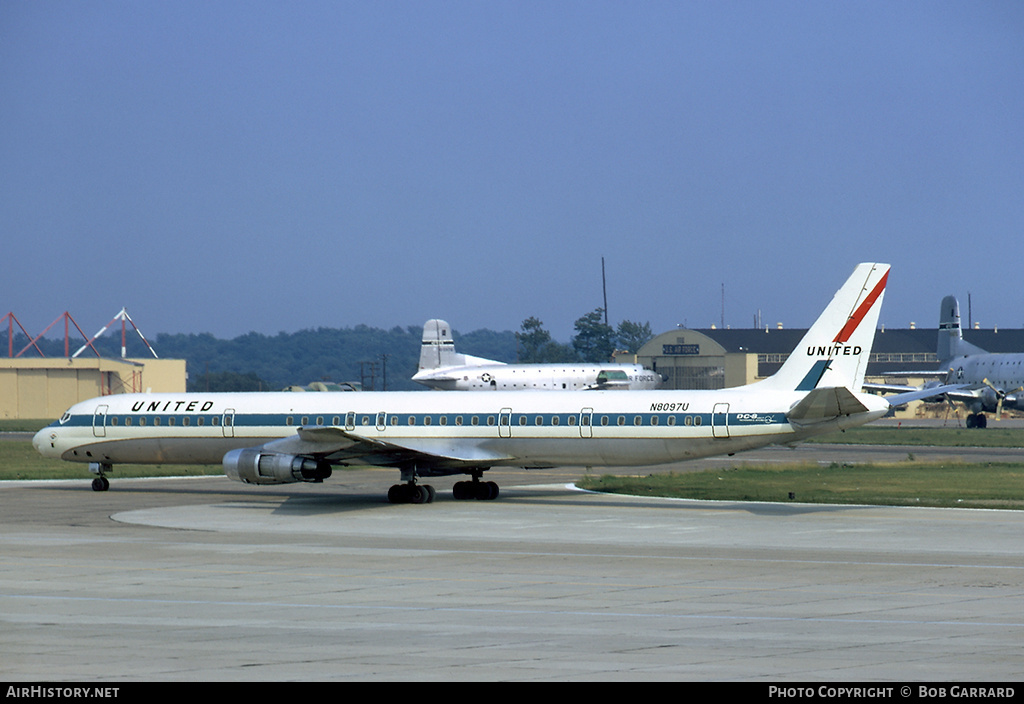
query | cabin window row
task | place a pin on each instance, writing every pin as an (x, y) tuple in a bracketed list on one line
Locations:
[(379, 420), (169, 421)]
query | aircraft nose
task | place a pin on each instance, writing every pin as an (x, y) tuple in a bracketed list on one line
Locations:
[(43, 440)]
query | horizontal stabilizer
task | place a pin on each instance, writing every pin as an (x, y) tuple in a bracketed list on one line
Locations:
[(438, 377), (823, 404)]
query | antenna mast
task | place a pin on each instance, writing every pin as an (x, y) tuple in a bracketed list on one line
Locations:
[(723, 306), (123, 317), (604, 290)]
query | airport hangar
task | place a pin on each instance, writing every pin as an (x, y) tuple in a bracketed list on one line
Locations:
[(42, 388), (717, 358)]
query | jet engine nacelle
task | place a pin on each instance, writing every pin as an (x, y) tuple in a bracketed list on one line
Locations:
[(252, 465)]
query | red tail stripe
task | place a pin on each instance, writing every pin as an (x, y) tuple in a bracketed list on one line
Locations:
[(858, 316)]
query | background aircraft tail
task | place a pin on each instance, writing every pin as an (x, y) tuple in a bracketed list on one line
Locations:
[(951, 337), (438, 349), (835, 350)]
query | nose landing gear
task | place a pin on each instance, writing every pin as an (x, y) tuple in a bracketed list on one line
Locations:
[(100, 469)]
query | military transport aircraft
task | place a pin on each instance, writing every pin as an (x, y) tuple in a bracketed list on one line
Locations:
[(442, 368), (986, 381), (282, 437)]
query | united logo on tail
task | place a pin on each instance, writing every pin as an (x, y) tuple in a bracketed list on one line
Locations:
[(858, 316)]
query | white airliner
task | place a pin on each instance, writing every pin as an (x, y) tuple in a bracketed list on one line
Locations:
[(276, 438), (986, 381), (442, 368)]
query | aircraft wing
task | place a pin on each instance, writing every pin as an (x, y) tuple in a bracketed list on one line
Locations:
[(941, 374), (610, 384), (606, 386), (954, 391), (923, 374), (888, 388), (906, 394), (317, 441), (338, 444)]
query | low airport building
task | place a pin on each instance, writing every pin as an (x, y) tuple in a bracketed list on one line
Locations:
[(723, 358), (42, 388)]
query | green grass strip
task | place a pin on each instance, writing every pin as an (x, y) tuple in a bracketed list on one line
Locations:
[(950, 436), (984, 485), (19, 460)]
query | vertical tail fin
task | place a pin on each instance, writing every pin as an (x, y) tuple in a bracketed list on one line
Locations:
[(437, 349), (951, 336), (835, 350)]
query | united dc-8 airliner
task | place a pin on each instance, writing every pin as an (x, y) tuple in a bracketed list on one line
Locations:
[(283, 437)]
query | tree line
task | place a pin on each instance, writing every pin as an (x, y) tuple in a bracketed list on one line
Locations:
[(595, 340), (377, 359)]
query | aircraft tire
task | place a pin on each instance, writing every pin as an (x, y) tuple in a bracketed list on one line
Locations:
[(100, 484), (481, 491), (464, 491), (421, 494), (411, 494), (486, 491)]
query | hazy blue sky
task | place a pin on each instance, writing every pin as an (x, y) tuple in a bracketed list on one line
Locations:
[(225, 167)]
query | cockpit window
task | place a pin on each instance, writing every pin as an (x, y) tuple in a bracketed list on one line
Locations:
[(65, 418)]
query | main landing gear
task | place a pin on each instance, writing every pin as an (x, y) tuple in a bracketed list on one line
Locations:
[(412, 493), (977, 420), (476, 489)]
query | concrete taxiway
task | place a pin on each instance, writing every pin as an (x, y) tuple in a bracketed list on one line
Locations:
[(203, 579)]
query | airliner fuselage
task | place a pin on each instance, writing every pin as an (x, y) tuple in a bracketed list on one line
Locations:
[(596, 428), (275, 438)]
